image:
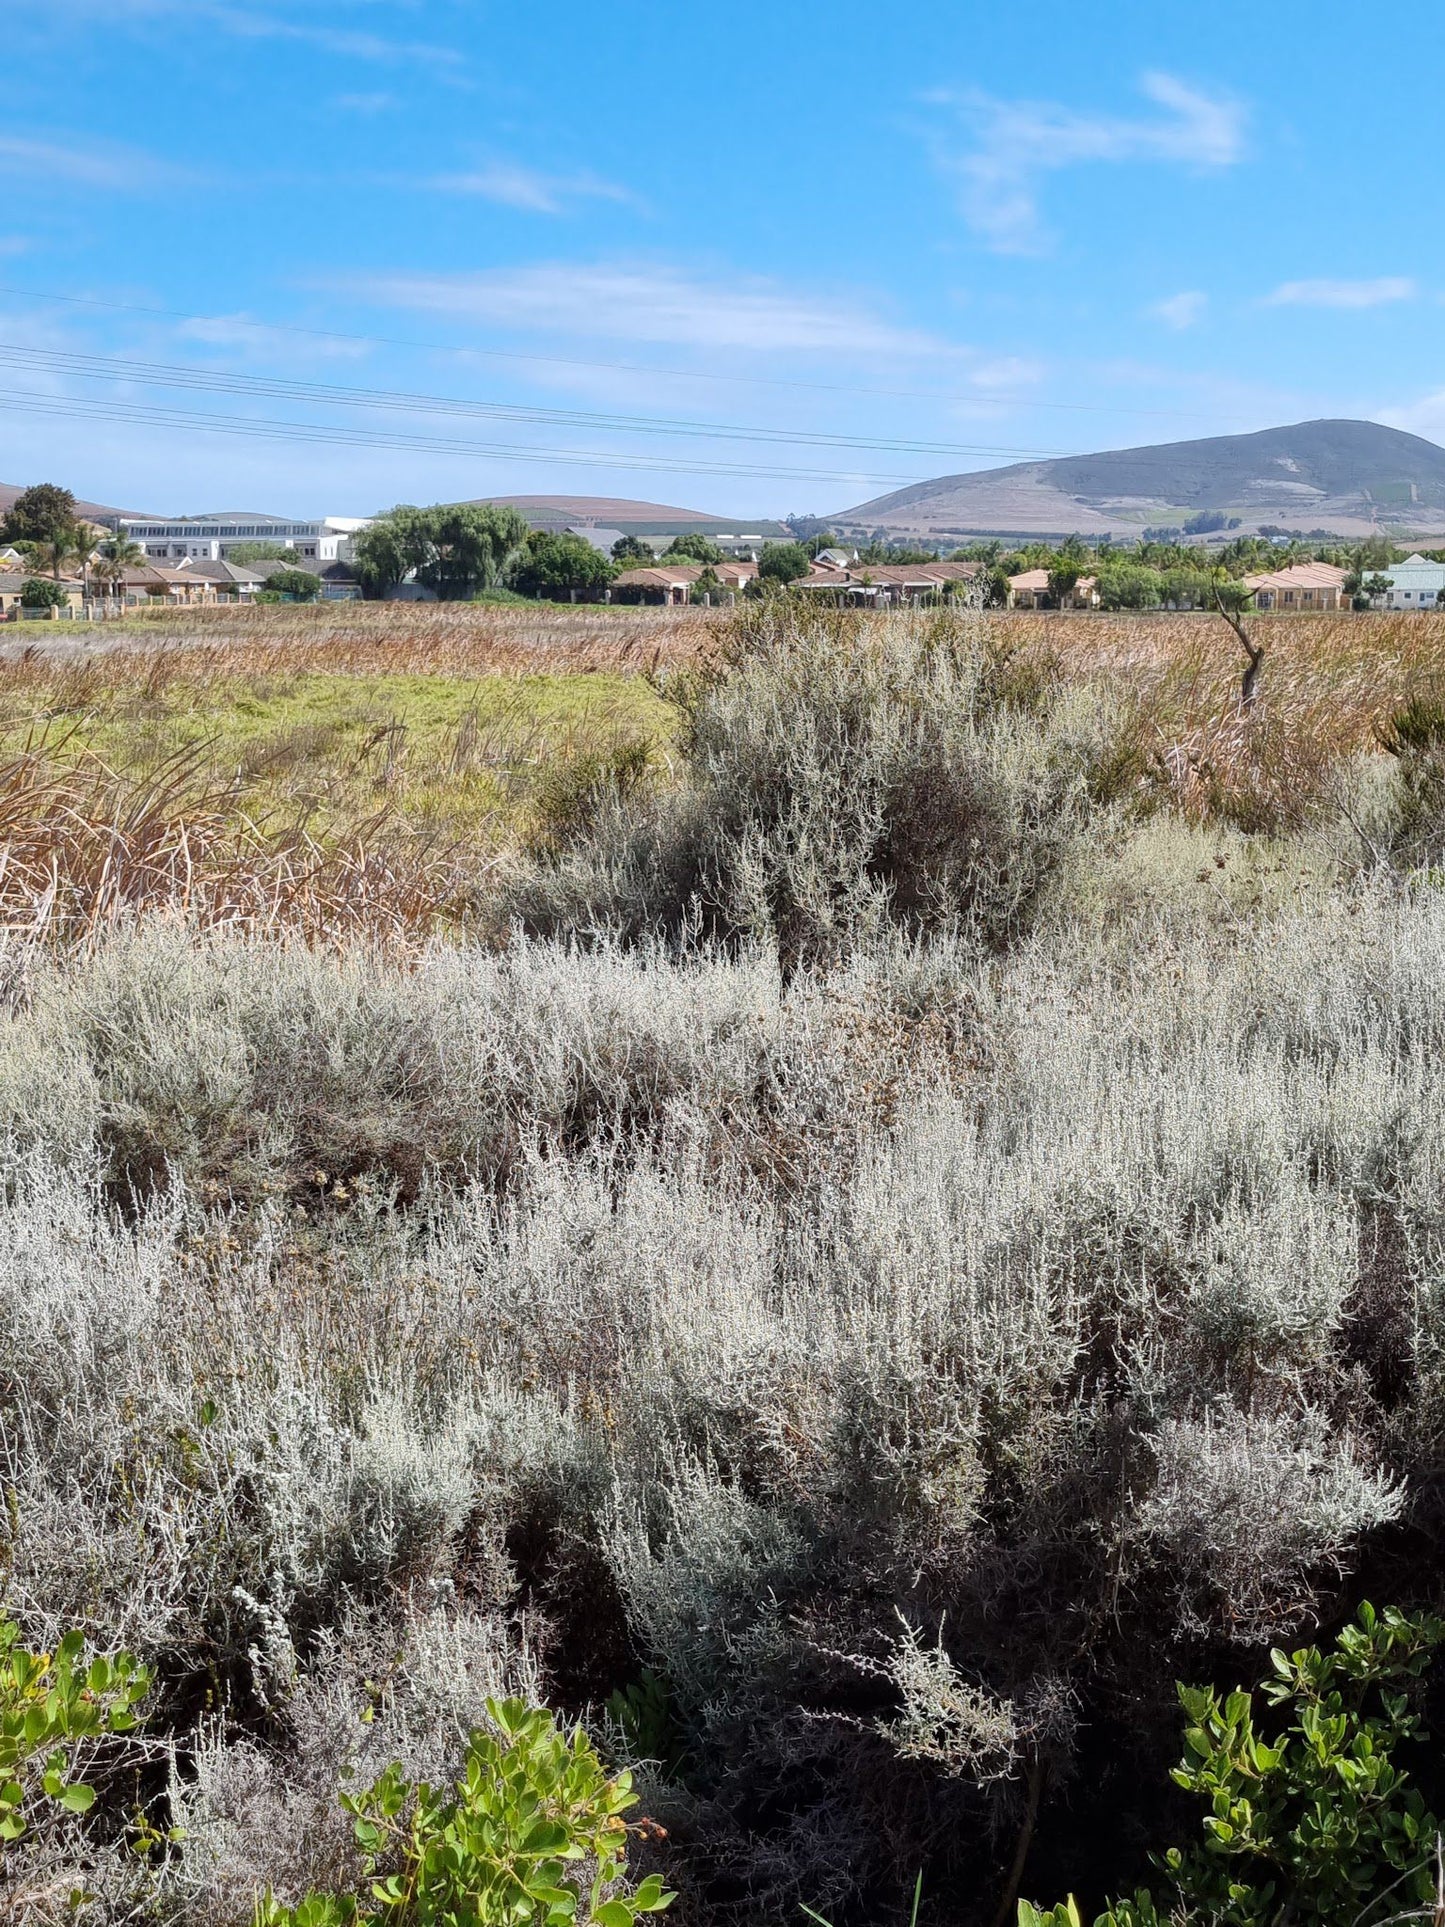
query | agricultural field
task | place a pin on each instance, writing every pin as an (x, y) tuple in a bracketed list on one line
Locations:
[(843, 1201)]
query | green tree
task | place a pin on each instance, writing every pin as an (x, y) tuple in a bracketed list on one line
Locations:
[(245, 553), (554, 567), (117, 554), (693, 548), (783, 562), (41, 592), (452, 548), (46, 516), (296, 585), (1376, 587), (632, 552)]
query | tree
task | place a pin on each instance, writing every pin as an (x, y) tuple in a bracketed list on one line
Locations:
[(295, 585), (1063, 580), (44, 514), (561, 565), (385, 554), (1376, 587), (783, 562), (453, 548), (244, 553), (117, 555), (42, 593), (630, 549), (693, 548)]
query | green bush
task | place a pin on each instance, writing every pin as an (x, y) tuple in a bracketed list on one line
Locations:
[(1309, 1818), (41, 592), (51, 1704), (533, 1833)]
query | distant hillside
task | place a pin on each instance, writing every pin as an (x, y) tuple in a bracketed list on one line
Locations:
[(1347, 477), (632, 518)]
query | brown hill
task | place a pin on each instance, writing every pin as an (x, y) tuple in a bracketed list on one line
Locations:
[(1344, 476), (621, 512)]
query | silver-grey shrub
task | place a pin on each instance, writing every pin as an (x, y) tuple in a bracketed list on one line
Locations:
[(837, 779), (914, 1363)]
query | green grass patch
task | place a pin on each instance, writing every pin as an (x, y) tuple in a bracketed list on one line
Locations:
[(461, 757)]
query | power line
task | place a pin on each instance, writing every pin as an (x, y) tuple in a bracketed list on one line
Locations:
[(222, 381), (327, 434), (611, 367)]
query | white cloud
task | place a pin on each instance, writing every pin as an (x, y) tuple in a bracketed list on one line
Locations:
[(624, 302), (108, 166), (259, 23), (1342, 294), (1181, 310), (512, 185), (1013, 144)]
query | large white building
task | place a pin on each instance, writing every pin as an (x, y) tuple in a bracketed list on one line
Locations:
[(210, 538), (1414, 583)]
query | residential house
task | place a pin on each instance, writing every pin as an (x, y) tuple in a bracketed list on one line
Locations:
[(151, 584), (1304, 587), (879, 582), (231, 582), (1414, 583), (1031, 591), (12, 586), (672, 583)]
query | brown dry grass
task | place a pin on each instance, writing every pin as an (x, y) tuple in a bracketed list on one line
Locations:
[(373, 638), (1327, 686), (85, 844)]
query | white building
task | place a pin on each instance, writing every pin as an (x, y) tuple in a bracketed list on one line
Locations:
[(1414, 583), (210, 538)]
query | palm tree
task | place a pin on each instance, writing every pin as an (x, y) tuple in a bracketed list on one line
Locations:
[(116, 556)]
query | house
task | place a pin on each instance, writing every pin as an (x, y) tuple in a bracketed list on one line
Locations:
[(1031, 591), (12, 587), (1304, 587), (672, 583), (875, 583), (231, 582), (1414, 583), (152, 585)]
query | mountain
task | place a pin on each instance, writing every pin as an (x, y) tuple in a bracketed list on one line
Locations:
[(1347, 477), (632, 518)]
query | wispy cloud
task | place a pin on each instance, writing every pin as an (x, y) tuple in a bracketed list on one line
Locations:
[(87, 164), (511, 185), (647, 304), (1012, 145), (1342, 294), (261, 23), (1181, 310)]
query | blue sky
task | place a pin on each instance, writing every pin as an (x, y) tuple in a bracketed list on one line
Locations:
[(555, 234)]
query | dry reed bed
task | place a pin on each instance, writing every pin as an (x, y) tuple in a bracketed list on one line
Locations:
[(85, 847), (378, 638)]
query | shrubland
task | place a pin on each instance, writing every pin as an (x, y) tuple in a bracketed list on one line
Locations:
[(897, 1234)]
